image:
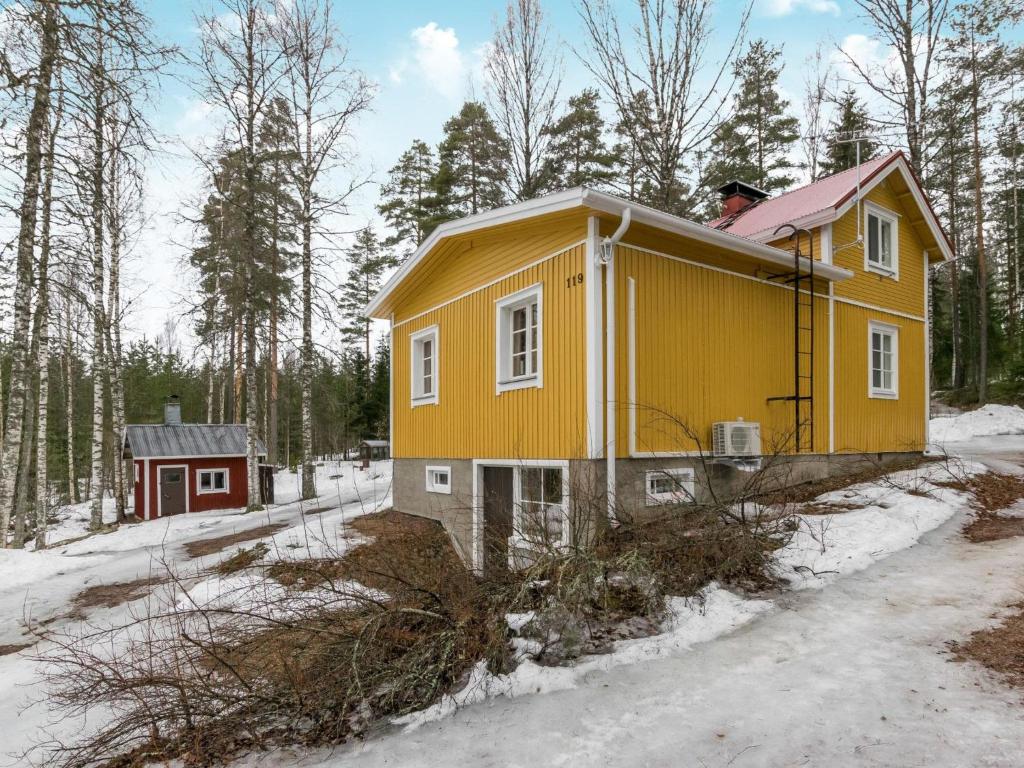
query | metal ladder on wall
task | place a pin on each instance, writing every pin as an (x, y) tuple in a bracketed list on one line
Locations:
[(802, 398)]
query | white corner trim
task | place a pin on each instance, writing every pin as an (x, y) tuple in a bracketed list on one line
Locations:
[(595, 348), (826, 244), (894, 330), (927, 353), (211, 490), (831, 368), (432, 333), (503, 380), (145, 480), (631, 363)]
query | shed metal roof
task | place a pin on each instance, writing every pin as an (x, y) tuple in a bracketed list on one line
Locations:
[(150, 441), (375, 443)]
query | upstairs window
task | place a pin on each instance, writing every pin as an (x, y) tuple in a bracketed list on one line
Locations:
[(883, 362), (424, 366), (519, 342), (882, 246), (212, 481)]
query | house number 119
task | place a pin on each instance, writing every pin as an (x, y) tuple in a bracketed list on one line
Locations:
[(572, 282)]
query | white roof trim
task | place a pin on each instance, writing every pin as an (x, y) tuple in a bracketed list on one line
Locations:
[(601, 201), (831, 214)]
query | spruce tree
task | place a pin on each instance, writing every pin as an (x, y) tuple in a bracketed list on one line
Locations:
[(851, 120), (754, 144), (577, 155), (473, 164), (408, 197), (367, 262)]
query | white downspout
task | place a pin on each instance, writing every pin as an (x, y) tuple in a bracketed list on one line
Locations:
[(606, 260)]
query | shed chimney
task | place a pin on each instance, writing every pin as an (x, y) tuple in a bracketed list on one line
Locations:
[(736, 196), (172, 411)]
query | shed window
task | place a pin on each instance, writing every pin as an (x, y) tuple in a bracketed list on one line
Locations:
[(424, 366), (882, 243), (883, 362), (670, 486), (519, 339), (212, 480)]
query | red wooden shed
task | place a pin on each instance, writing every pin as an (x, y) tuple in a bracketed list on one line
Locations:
[(181, 468)]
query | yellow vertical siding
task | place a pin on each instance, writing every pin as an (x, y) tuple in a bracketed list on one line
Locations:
[(710, 346), (873, 424), (471, 420), (903, 294)]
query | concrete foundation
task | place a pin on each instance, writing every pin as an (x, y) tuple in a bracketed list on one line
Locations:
[(714, 478)]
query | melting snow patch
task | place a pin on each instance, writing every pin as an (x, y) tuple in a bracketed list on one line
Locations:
[(984, 422)]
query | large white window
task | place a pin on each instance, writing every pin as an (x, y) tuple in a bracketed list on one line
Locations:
[(881, 250), (212, 481), (424, 366), (540, 518), (883, 360), (670, 486), (520, 339), (439, 479)]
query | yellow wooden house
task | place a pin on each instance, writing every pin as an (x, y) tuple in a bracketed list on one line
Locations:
[(580, 344)]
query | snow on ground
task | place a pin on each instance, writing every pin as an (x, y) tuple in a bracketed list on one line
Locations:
[(986, 421), (40, 586)]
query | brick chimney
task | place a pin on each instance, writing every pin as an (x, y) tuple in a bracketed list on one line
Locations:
[(737, 196), (172, 411)]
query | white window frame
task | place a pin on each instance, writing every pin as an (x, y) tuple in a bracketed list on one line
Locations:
[(504, 307), (518, 540), (893, 219), (433, 486), (893, 331), (135, 466), (686, 480), (418, 396), (200, 491)]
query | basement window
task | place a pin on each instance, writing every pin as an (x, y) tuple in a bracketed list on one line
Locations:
[(424, 366), (439, 480), (881, 250), (883, 360), (670, 486), (519, 339), (212, 481), (540, 512)]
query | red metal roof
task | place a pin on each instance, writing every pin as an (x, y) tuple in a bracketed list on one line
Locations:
[(823, 195)]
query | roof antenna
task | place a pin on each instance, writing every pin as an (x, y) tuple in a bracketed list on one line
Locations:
[(855, 138)]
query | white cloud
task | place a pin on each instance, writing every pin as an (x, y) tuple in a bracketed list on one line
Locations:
[(438, 59), (864, 51), (786, 7)]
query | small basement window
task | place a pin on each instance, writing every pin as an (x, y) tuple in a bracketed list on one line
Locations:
[(540, 518), (670, 486), (882, 246), (883, 360), (439, 479), (424, 366), (519, 339), (212, 481)]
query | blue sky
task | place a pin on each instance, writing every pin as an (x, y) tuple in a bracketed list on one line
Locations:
[(425, 58)]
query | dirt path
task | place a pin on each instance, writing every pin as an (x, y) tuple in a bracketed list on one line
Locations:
[(858, 673)]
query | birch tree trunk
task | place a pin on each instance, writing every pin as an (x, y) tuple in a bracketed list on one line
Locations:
[(308, 484), (113, 336), (38, 117), (69, 406), (99, 358)]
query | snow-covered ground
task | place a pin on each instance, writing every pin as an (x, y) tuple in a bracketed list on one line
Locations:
[(986, 421), (849, 666), (39, 586)]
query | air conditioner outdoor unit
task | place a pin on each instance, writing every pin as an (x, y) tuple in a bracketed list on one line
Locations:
[(736, 438)]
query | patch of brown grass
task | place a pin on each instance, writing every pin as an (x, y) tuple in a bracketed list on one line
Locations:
[(7, 650), (999, 648), (200, 547), (991, 493), (242, 559), (112, 595)]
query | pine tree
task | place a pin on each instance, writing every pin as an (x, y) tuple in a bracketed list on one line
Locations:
[(754, 144), (367, 262), (473, 163), (577, 155), (408, 197), (851, 120)]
